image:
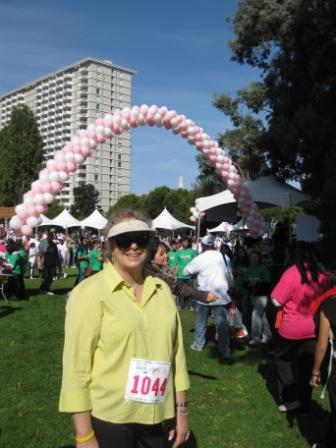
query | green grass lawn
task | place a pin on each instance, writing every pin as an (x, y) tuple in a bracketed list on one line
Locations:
[(230, 406)]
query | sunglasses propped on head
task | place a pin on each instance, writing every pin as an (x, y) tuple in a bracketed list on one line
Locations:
[(125, 240)]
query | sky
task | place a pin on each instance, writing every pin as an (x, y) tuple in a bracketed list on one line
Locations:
[(179, 50)]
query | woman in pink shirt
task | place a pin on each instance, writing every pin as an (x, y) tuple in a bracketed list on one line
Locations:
[(299, 285)]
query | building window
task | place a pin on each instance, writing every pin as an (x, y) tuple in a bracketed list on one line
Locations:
[(97, 90), (97, 106), (119, 164), (96, 177)]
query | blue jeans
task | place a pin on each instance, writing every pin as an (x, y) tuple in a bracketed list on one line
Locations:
[(219, 313)]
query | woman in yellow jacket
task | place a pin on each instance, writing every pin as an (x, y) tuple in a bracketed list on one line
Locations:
[(124, 369)]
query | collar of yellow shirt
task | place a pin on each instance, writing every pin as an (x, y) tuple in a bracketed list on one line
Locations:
[(115, 282)]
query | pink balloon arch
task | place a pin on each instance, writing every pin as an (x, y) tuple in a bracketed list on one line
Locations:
[(83, 143)]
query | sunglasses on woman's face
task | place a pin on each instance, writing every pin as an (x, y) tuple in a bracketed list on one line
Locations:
[(125, 240)]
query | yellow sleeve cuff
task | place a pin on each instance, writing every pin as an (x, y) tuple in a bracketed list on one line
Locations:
[(181, 382), (75, 401)]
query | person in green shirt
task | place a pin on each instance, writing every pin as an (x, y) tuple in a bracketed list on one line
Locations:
[(95, 258), (172, 254), (257, 280), (184, 257), (82, 257), (15, 285)]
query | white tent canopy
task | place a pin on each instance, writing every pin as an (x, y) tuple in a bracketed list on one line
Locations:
[(65, 220), (45, 221), (222, 198), (166, 221), (265, 190), (223, 227), (96, 220), (240, 225), (269, 190)]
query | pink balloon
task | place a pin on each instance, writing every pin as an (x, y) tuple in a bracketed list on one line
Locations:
[(100, 138), (46, 188), (67, 149), (85, 151), (40, 208), (32, 211), (26, 230), (36, 190), (56, 187), (92, 134), (72, 167), (77, 149), (60, 166), (99, 122), (22, 215), (133, 122)]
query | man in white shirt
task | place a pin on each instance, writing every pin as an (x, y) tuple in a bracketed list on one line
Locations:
[(212, 275)]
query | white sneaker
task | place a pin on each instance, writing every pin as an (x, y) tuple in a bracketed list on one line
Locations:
[(290, 406), (253, 343), (65, 276), (50, 293), (195, 348)]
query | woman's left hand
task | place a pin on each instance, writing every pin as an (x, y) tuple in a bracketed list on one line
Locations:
[(181, 433)]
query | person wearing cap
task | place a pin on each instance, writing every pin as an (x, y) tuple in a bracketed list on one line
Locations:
[(124, 367), (212, 275)]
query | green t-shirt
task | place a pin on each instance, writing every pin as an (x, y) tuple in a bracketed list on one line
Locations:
[(172, 258), (15, 260), (94, 262), (82, 264), (183, 257), (263, 277)]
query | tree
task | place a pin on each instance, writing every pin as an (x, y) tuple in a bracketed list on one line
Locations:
[(54, 209), (21, 155), (177, 201), (129, 201), (207, 182), (293, 44), (242, 142), (86, 200)]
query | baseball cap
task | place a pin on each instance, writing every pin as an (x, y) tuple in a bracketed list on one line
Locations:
[(208, 240)]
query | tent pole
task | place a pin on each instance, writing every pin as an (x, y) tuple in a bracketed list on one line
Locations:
[(198, 230)]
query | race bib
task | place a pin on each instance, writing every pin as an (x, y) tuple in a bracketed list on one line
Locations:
[(147, 381)]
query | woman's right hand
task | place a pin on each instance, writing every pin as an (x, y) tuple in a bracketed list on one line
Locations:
[(315, 380), (93, 443), (211, 297)]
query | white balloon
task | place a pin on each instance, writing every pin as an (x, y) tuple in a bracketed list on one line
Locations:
[(44, 177), (15, 223), (84, 141), (59, 156), (75, 140), (48, 198), (69, 157), (79, 158), (20, 208), (107, 132), (32, 221), (39, 220), (28, 201), (64, 176), (54, 176), (39, 199), (100, 129)]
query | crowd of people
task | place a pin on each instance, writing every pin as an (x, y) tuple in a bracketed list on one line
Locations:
[(47, 257), (123, 322)]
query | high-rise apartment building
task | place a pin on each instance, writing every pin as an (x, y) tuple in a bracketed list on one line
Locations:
[(68, 100)]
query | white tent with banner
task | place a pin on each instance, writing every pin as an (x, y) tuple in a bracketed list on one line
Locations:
[(65, 220), (240, 225), (167, 221), (223, 227), (96, 220)]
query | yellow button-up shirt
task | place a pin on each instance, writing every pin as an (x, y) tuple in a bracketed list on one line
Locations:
[(105, 327)]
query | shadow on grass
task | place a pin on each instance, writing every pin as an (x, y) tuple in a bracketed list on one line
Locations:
[(312, 426), (57, 292), (202, 375), (68, 446), (7, 310)]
